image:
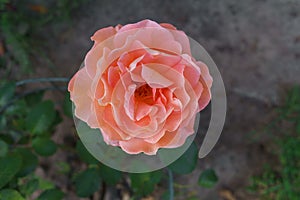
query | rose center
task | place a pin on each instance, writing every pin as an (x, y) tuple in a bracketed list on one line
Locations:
[(144, 94)]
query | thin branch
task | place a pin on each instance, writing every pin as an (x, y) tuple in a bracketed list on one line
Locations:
[(171, 188), (37, 80)]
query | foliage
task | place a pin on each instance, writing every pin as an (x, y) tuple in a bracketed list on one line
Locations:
[(187, 162), (87, 182), (208, 178), (284, 182), (22, 23)]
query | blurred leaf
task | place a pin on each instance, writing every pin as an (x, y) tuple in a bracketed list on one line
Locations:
[(3, 148), (44, 146), (29, 187), (25, 139), (34, 98), (7, 139), (52, 194), (3, 3), (17, 41), (9, 166), (10, 194), (187, 162), (67, 106), (64, 167), (7, 91), (109, 175), (144, 183), (165, 196), (29, 161), (41, 117), (19, 108), (207, 178), (298, 127), (45, 184), (84, 155), (57, 119), (3, 122), (87, 182)]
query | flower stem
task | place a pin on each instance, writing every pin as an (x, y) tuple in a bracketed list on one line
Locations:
[(37, 80), (171, 189)]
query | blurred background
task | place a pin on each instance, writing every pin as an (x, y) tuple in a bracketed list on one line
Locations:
[(256, 46)]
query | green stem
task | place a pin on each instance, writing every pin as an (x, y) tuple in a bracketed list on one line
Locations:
[(37, 80), (171, 188)]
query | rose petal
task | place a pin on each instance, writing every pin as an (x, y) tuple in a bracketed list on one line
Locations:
[(102, 34), (154, 79), (79, 89)]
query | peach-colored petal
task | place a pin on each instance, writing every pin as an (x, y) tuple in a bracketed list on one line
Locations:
[(107, 123), (103, 34), (173, 121), (135, 146), (113, 76), (141, 24), (205, 74), (154, 79), (168, 26), (80, 95), (142, 110), (205, 95)]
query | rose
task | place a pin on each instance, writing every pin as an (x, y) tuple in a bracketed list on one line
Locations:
[(141, 87)]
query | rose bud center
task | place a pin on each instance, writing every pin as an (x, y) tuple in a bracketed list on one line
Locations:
[(144, 94)]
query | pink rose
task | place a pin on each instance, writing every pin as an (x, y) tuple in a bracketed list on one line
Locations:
[(141, 87)]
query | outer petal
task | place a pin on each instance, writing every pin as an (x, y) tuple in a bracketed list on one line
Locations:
[(103, 34), (206, 81), (135, 146), (141, 24), (79, 88)]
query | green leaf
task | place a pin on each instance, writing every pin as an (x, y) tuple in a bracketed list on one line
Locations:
[(3, 148), (187, 162), (18, 108), (52, 194), (10, 194), (109, 175), (41, 117), (29, 187), (9, 166), (3, 122), (7, 139), (63, 167), (298, 127), (67, 106), (207, 178), (165, 196), (44, 146), (84, 155), (87, 182), (7, 91), (29, 161), (34, 98), (45, 184), (144, 183)]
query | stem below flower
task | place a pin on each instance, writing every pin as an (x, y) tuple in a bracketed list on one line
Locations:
[(171, 189)]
